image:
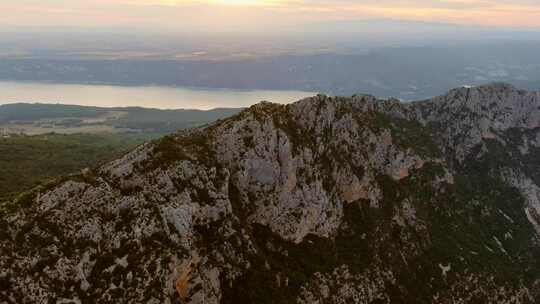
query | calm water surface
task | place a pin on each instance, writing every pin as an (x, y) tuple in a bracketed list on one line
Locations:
[(147, 96)]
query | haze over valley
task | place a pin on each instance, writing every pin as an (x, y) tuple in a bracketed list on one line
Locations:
[(410, 70)]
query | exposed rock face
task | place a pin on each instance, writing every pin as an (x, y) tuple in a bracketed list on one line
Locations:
[(327, 200), (467, 116)]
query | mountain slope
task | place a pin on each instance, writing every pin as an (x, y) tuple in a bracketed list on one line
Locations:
[(27, 161), (327, 200)]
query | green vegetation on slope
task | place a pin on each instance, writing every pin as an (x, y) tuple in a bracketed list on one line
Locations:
[(96, 135), (27, 161)]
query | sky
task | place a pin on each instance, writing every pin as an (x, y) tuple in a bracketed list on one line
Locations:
[(261, 15)]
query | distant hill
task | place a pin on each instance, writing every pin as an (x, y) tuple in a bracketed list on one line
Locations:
[(37, 118)]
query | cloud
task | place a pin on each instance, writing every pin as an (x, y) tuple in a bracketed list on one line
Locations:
[(254, 15)]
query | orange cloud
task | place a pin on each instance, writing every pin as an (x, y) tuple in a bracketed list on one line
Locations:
[(254, 14), (500, 15)]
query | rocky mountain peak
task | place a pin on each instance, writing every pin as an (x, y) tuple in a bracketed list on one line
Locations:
[(326, 200), (466, 116), (490, 88), (490, 100)]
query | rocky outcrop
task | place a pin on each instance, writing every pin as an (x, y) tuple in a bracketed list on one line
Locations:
[(327, 200), (467, 116), (531, 193)]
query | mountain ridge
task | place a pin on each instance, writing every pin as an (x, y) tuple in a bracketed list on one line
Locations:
[(326, 200)]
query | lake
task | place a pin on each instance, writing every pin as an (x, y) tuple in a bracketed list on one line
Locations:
[(147, 96)]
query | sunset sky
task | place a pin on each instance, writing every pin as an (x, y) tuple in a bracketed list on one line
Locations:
[(254, 15)]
